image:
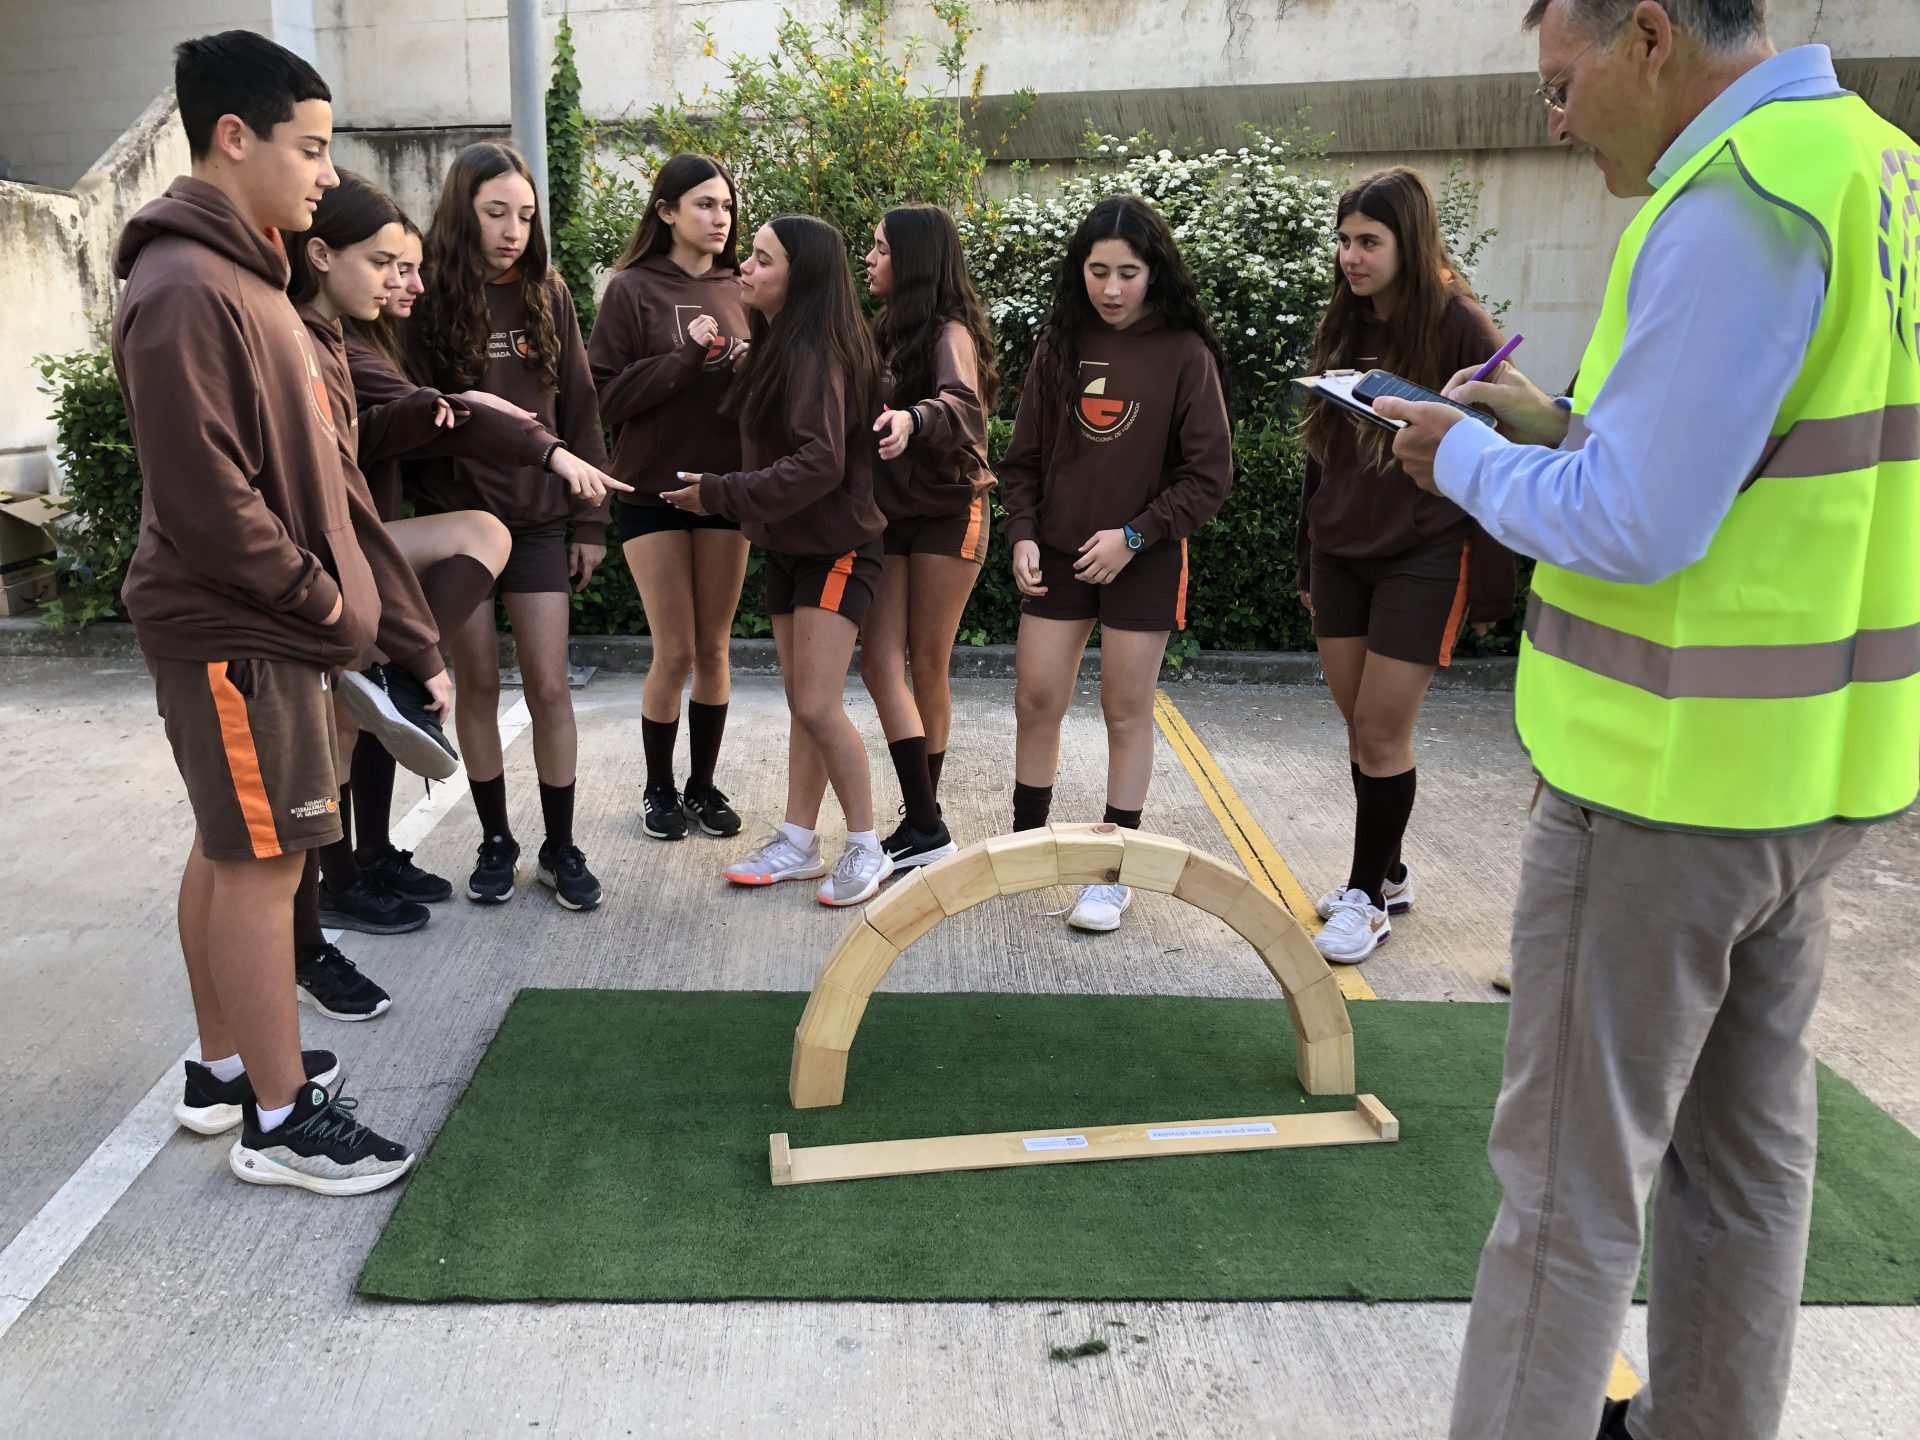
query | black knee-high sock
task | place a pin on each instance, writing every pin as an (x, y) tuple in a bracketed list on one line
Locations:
[(1031, 805), (453, 589), (656, 742), (556, 808), (338, 868), (1125, 819), (1396, 870), (490, 803), (916, 782), (1385, 804), (308, 940), (373, 771), (936, 759), (706, 725)]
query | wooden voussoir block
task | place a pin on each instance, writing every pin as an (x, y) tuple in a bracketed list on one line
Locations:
[(963, 880), (1209, 884), (1089, 854), (1025, 860), (861, 960), (1153, 862), (1259, 919), (818, 1076), (906, 911), (832, 1016), (1325, 1067), (1293, 961), (1320, 1010)]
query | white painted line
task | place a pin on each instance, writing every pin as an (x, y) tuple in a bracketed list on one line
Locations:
[(34, 1256)]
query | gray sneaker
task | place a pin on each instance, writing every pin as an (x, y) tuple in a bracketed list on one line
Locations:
[(776, 858), (857, 878)]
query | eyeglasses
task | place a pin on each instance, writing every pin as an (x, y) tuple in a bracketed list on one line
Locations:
[(1553, 94)]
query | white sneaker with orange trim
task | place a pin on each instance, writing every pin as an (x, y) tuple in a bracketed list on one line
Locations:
[(776, 858), (1354, 930)]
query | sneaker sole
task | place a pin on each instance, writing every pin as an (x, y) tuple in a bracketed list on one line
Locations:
[(1095, 929), (483, 897), (408, 744), (334, 920), (552, 882), (871, 889), (218, 1119), (256, 1169), (312, 1004), (755, 881), (663, 834), (706, 829), (925, 857), (1354, 959)]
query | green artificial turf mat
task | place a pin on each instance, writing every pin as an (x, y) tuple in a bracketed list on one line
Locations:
[(613, 1146)]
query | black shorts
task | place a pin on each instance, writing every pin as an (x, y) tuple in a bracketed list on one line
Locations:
[(1149, 594), (1409, 606), (961, 535), (843, 584), (537, 564), (634, 519)]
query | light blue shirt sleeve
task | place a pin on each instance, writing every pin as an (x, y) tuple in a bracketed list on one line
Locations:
[(1723, 301)]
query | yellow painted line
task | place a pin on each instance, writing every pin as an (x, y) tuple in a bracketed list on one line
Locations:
[(1250, 844), (1623, 1384)]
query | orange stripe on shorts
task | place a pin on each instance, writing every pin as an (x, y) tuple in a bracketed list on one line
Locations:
[(1459, 610), (236, 738), (1180, 600), (835, 588), (976, 527)]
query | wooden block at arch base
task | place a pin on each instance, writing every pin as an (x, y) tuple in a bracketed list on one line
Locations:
[(861, 960), (1089, 854), (818, 1076), (1154, 862), (963, 880), (906, 911), (1025, 860), (1325, 1067)]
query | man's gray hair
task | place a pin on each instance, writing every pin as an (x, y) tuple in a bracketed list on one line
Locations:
[(1717, 26)]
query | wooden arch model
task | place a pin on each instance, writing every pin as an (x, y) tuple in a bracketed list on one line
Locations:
[(1067, 855)]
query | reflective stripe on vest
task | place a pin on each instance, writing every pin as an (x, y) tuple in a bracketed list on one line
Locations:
[(1822, 447)]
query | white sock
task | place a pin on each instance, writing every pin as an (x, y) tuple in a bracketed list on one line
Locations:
[(271, 1119), (804, 839), (865, 839), (226, 1071)]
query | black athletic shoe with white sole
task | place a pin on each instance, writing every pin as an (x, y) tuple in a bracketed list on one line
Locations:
[(660, 813), (391, 704), (212, 1106), (909, 846), (398, 874), (563, 870), (332, 984), (368, 906), (706, 807), (319, 1147), (491, 882)]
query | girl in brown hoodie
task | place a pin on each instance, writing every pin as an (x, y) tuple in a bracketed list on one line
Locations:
[(496, 317), (671, 328)]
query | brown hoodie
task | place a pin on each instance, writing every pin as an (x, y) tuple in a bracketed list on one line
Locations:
[(247, 525), (407, 631), (1143, 440), (945, 463), (659, 391), (520, 493)]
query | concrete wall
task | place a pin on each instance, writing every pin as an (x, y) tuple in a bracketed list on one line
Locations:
[(56, 253)]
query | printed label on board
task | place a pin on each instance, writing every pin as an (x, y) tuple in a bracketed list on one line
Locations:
[(1057, 1142), (1210, 1132)]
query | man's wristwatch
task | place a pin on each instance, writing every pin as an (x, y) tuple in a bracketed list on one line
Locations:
[(1135, 540)]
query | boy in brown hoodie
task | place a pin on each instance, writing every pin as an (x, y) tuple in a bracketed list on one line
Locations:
[(248, 589)]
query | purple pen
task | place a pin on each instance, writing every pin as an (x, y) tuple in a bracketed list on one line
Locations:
[(1494, 364)]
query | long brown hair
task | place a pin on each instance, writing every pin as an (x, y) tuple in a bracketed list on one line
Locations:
[(354, 210), (930, 287), (451, 318), (819, 331), (382, 333), (653, 235), (1399, 199)]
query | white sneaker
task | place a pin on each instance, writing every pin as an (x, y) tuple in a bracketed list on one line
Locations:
[(1503, 981), (776, 858), (1100, 907), (1399, 897), (857, 878), (1354, 930)]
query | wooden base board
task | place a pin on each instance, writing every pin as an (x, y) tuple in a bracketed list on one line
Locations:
[(1368, 1123)]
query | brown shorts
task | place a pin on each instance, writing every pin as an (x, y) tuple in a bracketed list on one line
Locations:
[(254, 740), (1408, 606), (840, 583), (1150, 594), (537, 564), (961, 535)]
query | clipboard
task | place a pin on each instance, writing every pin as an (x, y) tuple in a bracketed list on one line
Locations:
[(1337, 387)]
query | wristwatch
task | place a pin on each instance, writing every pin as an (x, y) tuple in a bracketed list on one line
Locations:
[(1135, 540)]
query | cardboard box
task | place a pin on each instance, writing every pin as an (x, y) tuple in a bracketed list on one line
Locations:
[(27, 546), (21, 590)]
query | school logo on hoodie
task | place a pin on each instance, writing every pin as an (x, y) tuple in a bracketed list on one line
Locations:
[(1102, 416), (505, 344), (718, 350), (316, 387)]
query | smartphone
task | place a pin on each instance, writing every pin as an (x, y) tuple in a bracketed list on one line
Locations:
[(1376, 383)]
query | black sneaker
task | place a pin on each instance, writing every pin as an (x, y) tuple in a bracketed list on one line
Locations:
[(909, 846), (390, 704), (660, 813), (319, 1147), (368, 906), (563, 869), (491, 882), (708, 809), (212, 1107), (398, 875), (333, 985)]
